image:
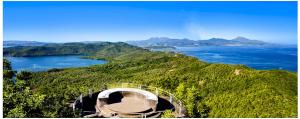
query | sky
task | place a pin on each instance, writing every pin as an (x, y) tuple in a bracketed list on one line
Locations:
[(274, 22)]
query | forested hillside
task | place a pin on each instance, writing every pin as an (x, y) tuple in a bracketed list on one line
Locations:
[(207, 90), (101, 49)]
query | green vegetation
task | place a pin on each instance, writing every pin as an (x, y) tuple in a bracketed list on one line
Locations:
[(206, 90), (103, 50), (7, 70), (18, 99), (168, 114)]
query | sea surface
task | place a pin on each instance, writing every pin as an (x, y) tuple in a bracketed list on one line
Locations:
[(262, 58), (43, 63)]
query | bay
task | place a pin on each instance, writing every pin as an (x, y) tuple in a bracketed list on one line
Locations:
[(43, 63)]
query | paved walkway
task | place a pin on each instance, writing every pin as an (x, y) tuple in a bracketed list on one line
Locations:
[(129, 105)]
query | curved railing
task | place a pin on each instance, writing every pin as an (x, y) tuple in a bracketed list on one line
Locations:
[(177, 104), (178, 108)]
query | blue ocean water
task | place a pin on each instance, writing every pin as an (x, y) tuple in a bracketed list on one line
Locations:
[(43, 63), (262, 58)]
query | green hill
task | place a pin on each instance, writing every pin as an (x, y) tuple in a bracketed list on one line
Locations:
[(207, 90), (101, 49)]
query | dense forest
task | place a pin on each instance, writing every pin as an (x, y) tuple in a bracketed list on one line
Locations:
[(103, 50), (207, 90)]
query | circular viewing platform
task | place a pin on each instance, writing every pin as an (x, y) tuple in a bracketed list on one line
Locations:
[(130, 101), (126, 102)]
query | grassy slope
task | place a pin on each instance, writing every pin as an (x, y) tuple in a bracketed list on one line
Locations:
[(252, 93)]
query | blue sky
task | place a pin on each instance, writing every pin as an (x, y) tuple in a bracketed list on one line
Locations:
[(122, 21)]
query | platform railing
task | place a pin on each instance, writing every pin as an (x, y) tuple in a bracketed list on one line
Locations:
[(178, 107)]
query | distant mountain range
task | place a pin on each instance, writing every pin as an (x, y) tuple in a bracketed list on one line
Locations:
[(164, 41), (36, 43), (22, 43)]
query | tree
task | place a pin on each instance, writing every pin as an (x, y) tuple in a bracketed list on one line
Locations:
[(24, 75), (7, 71), (6, 64), (8, 74), (180, 91), (18, 100), (191, 100), (168, 114), (203, 110), (17, 112)]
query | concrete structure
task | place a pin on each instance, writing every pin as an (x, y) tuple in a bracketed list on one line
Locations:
[(126, 102), (130, 101)]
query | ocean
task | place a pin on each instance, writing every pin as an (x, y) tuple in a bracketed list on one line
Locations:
[(262, 58)]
